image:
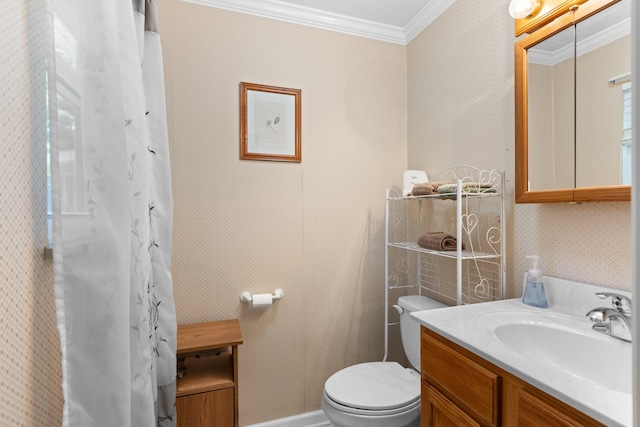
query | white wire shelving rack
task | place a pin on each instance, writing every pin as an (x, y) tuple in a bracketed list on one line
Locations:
[(474, 214)]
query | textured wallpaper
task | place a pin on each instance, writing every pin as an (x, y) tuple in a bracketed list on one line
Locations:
[(461, 111), (314, 229), (30, 375)]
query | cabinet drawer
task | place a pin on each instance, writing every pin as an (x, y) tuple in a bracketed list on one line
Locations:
[(472, 387)]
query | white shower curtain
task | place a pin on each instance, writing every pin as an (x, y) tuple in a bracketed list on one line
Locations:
[(112, 214)]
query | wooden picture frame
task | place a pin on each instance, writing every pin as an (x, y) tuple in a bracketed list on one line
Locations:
[(270, 123)]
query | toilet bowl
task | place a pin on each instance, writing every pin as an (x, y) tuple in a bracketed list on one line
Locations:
[(374, 394), (381, 394)]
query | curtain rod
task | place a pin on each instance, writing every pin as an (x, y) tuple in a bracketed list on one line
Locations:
[(622, 78)]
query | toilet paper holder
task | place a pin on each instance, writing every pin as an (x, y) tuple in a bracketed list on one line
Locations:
[(247, 297)]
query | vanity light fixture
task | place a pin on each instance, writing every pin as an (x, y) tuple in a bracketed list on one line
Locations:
[(520, 9)]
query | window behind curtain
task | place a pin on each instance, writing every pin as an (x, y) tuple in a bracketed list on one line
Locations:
[(73, 198)]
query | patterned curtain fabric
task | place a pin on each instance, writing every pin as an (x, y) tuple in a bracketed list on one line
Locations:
[(112, 214)]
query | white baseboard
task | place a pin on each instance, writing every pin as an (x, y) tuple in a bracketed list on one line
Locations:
[(308, 419)]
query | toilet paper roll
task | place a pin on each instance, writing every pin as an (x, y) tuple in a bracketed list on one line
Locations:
[(262, 300)]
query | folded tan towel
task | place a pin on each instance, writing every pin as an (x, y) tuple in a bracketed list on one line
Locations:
[(438, 241), (423, 190), (427, 188)]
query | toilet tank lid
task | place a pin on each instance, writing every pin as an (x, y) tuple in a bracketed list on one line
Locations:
[(418, 303)]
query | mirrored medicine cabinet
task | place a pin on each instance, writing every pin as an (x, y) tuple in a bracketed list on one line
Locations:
[(573, 106)]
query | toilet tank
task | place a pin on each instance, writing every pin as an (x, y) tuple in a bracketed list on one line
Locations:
[(409, 328)]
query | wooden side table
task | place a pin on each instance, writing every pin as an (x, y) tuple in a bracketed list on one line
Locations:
[(207, 386)]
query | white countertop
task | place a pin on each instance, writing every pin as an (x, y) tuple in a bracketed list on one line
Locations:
[(467, 326)]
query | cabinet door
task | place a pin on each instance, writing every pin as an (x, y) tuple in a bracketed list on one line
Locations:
[(438, 411), (532, 411), (211, 409)]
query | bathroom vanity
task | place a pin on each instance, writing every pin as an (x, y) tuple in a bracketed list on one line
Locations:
[(505, 363), (460, 388), (207, 385)]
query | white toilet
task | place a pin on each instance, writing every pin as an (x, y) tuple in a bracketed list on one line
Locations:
[(381, 394)]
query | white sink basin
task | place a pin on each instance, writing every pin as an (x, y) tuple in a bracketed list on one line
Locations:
[(582, 353)]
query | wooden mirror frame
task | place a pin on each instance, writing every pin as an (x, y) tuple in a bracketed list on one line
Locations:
[(578, 195), (549, 10)]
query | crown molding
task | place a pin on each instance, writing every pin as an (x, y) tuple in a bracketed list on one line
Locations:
[(593, 42), (288, 12), (549, 57), (604, 37), (426, 16)]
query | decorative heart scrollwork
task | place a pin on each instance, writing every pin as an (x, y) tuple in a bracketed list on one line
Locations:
[(469, 222)]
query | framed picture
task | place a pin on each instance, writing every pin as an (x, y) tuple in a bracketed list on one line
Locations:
[(270, 123)]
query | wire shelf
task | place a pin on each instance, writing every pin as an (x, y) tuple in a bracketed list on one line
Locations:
[(474, 215)]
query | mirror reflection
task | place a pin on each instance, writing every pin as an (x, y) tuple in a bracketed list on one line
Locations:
[(551, 113), (603, 66), (598, 120)]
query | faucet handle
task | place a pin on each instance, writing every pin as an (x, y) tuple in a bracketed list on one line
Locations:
[(618, 302), (600, 314)]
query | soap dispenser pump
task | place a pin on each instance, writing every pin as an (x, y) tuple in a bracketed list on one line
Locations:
[(534, 294)]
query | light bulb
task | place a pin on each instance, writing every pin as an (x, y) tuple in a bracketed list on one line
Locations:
[(519, 9)]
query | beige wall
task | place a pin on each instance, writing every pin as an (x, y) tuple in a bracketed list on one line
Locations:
[(314, 229), (30, 372), (461, 111)]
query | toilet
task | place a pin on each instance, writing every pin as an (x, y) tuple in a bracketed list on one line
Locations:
[(381, 394)]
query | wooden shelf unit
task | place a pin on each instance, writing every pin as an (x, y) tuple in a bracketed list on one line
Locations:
[(207, 394)]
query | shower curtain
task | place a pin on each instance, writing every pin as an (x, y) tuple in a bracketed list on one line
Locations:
[(112, 213)]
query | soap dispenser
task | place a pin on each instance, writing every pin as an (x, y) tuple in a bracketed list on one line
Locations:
[(534, 294)]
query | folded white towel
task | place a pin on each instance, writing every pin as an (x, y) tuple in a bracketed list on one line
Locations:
[(411, 178)]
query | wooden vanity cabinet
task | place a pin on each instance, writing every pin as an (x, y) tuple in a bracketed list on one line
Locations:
[(460, 388), (207, 386)]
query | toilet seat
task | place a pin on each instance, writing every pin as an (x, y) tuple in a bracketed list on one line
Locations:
[(373, 388), (370, 412)]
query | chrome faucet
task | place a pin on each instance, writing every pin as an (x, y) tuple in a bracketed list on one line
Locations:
[(613, 321)]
